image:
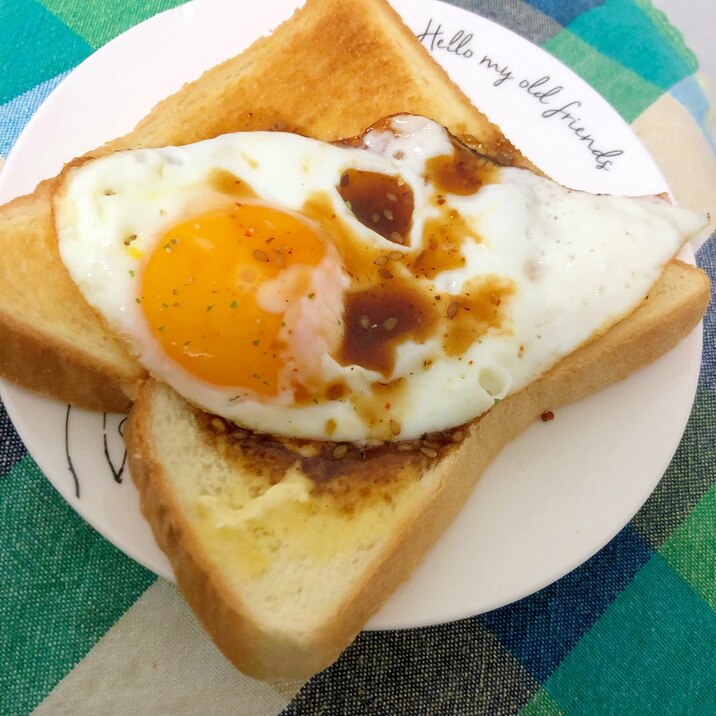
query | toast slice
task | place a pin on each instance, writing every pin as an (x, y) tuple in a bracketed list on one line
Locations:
[(284, 553), (329, 72), (285, 550)]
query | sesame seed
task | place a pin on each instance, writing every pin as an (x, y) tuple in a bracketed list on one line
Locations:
[(339, 451), (364, 322), (381, 260), (406, 447), (429, 452), (260, 255), (390, 323), (394, 427), (396, 255), (452, 309), (384, 273), (375, 217), (310, 450), (457, 436), (391, 197), (388, 214), (430, 444), (218, 425)]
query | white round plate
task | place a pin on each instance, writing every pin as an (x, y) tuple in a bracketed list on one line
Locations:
[(556, 494)]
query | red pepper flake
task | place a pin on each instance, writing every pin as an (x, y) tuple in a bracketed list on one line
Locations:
[(547, 416)]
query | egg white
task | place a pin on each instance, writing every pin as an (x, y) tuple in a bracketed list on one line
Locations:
[(579, 263)]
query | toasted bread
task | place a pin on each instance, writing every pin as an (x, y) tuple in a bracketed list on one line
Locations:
[(296, 79), (284, 558)]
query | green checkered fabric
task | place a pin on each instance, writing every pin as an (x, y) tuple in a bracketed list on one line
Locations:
[(632, 631)]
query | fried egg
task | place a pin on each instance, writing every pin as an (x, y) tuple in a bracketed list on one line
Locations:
[(379, 289)]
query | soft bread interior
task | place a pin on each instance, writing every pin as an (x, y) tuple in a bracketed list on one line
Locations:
[(284, 569)]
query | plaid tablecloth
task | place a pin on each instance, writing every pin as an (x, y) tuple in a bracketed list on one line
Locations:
[(85, 630)]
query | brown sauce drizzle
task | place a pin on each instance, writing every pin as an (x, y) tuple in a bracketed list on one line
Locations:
[(442, 242), (386, 305), (463, 172), (380, 202), (335, 467), (225, 182), (378, 320), (481, 307)]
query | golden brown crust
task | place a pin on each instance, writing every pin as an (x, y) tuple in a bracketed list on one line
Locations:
[(51, 340), (305, 78), (53, 368)]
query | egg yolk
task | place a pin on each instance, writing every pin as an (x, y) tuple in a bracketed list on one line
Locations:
[(200, 292)]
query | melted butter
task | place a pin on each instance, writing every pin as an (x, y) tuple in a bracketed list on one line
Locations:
[(347, 501)]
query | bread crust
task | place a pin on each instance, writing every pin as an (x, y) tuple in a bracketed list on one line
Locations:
[(80, 363), (637, 340), (53, 368)]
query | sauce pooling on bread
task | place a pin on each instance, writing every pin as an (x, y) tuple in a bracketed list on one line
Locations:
[(373, 292)]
